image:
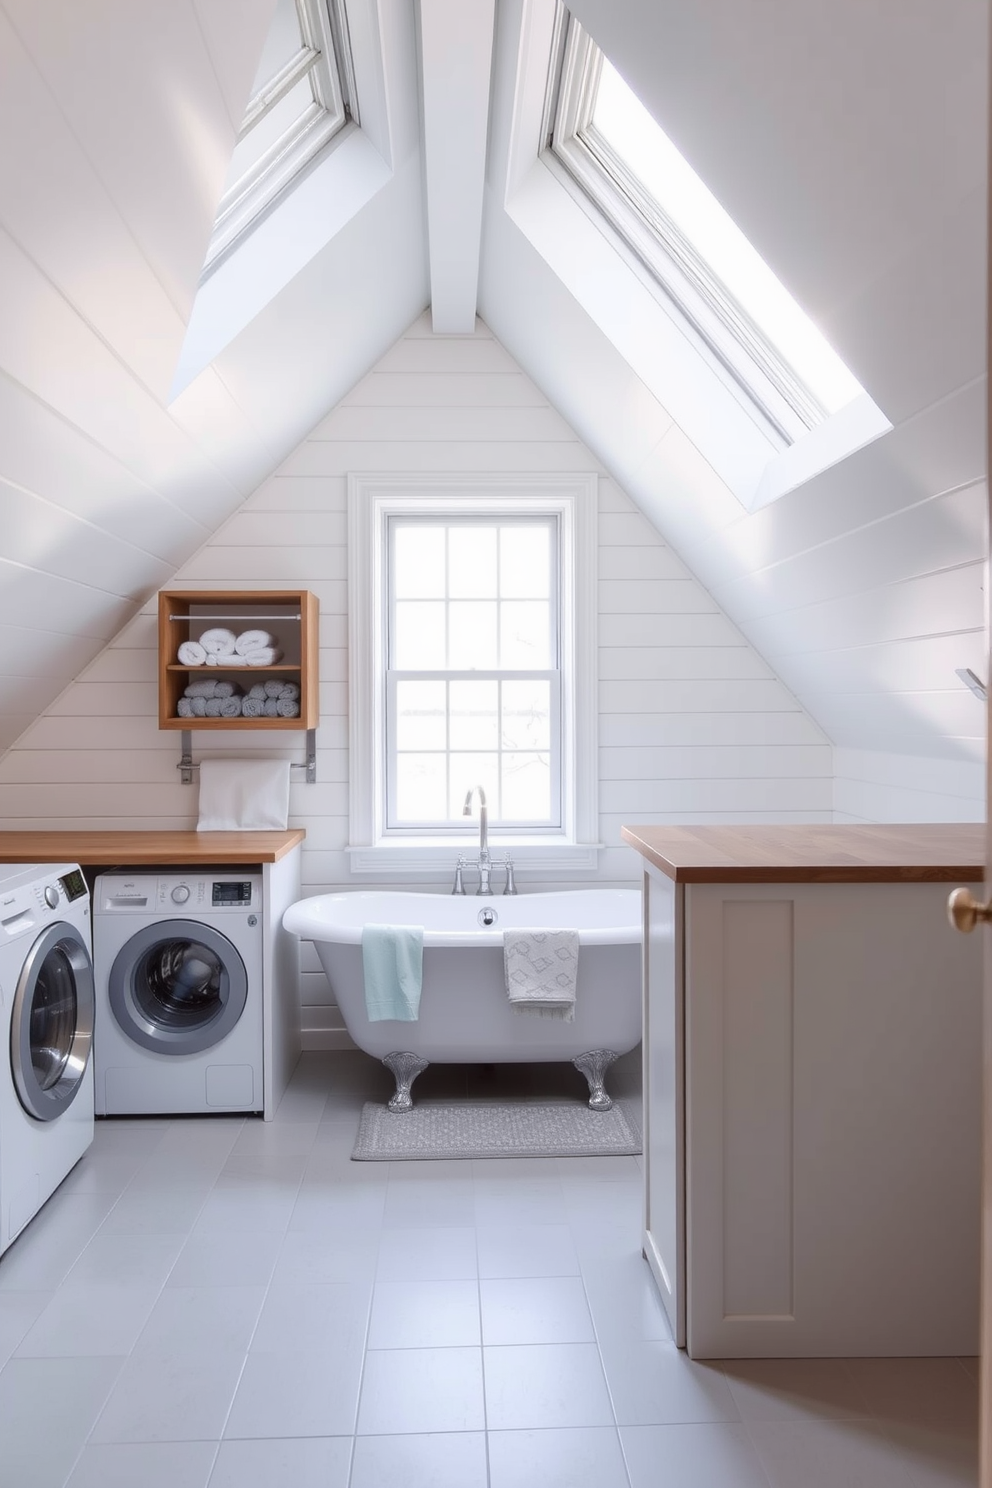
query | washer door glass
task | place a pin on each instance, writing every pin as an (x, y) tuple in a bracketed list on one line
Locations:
[(178, 988), (51, 1028)]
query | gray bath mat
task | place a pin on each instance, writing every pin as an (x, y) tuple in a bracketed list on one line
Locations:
[(453, 1129)]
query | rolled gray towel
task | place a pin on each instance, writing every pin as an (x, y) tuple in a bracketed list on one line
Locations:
[(184, 707), (252, 707), (258, 691), (274, 689), (203, 687), (271, 707), (290, 690), (213, 706), (199, 706), (230, 707), (287, 707)]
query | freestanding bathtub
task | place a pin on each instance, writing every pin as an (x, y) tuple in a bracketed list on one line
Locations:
[(465, 1016)]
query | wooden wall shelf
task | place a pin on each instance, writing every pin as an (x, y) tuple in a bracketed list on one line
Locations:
[(290, 615)]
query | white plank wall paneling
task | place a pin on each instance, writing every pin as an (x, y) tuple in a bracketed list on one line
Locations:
[(694, 726)]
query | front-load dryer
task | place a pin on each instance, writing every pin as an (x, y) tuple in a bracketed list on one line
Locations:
[(46, 1018), (178, 963)]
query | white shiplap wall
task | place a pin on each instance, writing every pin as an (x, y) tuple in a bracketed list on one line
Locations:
[(693, 724)]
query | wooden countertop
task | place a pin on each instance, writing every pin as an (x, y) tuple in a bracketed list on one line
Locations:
[(112, 849), (952, 852)]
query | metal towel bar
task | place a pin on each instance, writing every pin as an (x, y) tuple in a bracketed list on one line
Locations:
[(187, 764)]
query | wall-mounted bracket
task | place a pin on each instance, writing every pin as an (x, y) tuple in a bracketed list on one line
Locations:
[(187, 764)]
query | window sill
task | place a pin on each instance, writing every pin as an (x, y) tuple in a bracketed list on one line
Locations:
[(399, 859)]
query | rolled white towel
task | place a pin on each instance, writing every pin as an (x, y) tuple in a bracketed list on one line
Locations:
[(203, 687), (191, 653), (274, 688), (230, 707), (264, 656), (287, 707), (253, 707), (199, 706), (184, 707), (218, 642), (252, 640), (229, 659)]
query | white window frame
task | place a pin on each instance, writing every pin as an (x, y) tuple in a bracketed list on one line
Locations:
[(786, 408), (325, 57), (372, 499)]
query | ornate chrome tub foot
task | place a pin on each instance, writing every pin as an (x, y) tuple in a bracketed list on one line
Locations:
[(594, 1065), (405, 1068)]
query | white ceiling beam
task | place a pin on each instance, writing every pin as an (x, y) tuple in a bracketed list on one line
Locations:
[(456, 39)]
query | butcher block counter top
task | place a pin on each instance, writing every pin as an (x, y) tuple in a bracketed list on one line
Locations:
[(814, 854), (159, 849)]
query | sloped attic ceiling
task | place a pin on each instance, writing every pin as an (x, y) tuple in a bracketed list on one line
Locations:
[(849, 141)]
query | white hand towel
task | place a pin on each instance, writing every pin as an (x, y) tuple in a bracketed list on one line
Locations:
[(540, 967), (252, 640), (263, 656), (218, 642), (243, 795), (191, 653)]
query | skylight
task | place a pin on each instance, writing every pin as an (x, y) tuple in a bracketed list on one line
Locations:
[(678, 229), (301, 97)]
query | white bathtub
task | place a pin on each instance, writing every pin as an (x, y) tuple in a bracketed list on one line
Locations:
[(465, 1017)]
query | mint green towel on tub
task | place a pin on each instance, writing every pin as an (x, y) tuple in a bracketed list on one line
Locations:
[(392, 963)]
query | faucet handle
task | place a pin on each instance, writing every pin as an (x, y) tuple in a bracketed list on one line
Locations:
[(458, 887), (509, 887)]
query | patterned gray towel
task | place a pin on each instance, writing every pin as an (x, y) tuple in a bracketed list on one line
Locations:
[(541, 968)]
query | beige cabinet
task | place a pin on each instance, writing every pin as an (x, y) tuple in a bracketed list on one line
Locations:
[(812, 1127), (289, 615)]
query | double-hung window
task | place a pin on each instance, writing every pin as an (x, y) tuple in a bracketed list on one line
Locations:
[(472, 664)]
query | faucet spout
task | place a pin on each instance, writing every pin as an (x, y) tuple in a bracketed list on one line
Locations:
[(484, 859)]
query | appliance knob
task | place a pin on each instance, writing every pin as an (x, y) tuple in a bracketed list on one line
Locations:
[(180, 894), (51, 896)]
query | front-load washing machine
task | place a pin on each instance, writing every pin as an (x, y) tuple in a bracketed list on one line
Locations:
[(178, 964), (46, 1018)]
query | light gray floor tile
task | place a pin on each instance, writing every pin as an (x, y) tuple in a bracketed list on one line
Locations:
[(92, 1320), (527, 1250), (828, 1454), (165, 1211), (187, 1322), (425, 1314), (301, 1394), (328, 1206), (19, 1311), (714, 1455), (316, 1257), (428, 1255), (579, 1457), (784, 1389), (654, 1383), (287, 1139), (247, 1206), (431, 1202), (304, 1462), (928, 1394), (421, 1390), (126, 1260), (624, 1300), (220, 1260), (521, 1202), (553, 1385), (309, 1319), (32, 1454), (144, 1465), (935, 1458), (545, 1309), (170, 1399), (47, 1249), (454, 1459)]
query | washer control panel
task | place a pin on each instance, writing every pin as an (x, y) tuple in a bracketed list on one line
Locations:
[(180, 893)]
